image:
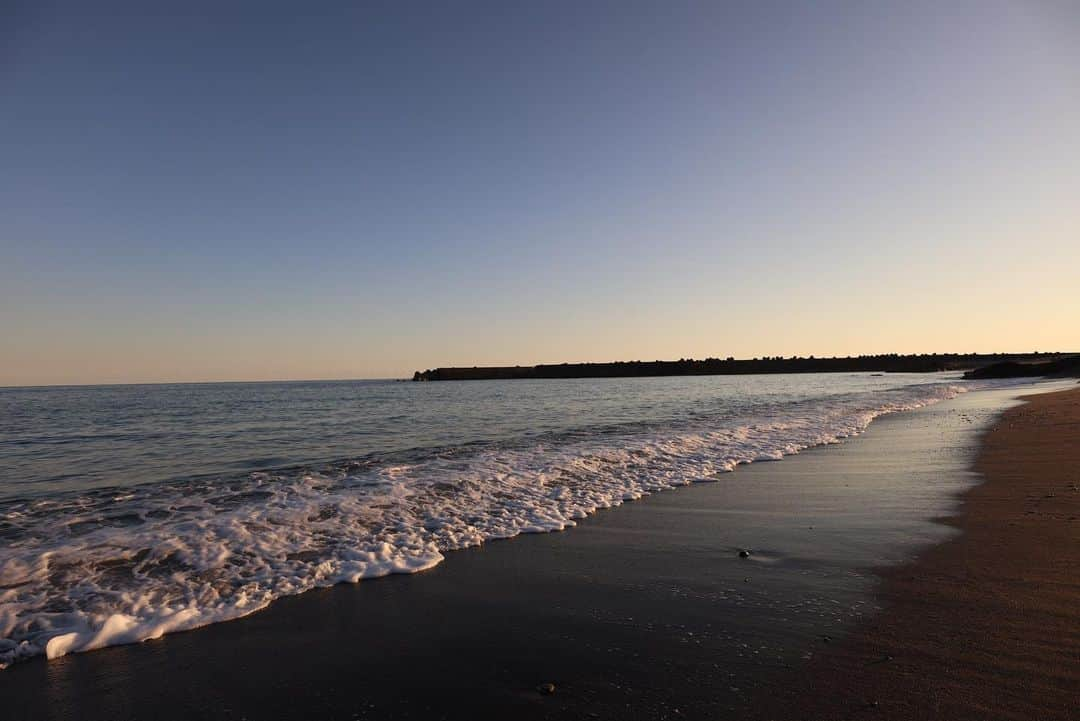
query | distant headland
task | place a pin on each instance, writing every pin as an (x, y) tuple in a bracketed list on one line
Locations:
[(885, 363)]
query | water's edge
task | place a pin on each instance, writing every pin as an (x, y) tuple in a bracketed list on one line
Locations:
[(240, 566)]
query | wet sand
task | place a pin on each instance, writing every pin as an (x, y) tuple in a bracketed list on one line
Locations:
[(987, 625), (646, 611)]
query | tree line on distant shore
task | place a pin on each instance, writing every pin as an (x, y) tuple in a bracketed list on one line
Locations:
[(884, 363)]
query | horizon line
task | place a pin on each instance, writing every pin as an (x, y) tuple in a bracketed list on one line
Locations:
[(407, 377)]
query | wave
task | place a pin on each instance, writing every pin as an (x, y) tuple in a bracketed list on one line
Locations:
[(112, 567)]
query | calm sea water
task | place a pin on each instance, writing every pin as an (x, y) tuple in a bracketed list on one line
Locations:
[(127, 512)]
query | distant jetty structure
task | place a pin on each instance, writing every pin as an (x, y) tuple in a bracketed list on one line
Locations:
[(884, 363)]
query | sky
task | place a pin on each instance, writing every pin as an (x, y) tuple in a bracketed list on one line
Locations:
[(265, 190)]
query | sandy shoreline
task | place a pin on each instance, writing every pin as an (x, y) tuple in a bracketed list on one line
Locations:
[(986, 625), (642, 612)]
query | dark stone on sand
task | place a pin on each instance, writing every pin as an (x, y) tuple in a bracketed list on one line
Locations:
[(743, 553)]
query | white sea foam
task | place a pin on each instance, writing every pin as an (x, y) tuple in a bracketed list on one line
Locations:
[(98, 570)]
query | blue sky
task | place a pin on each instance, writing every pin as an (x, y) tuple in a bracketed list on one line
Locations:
[(199, 191)]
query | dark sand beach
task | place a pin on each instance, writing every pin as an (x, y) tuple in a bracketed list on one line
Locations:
[(648, 611), (987, 625)]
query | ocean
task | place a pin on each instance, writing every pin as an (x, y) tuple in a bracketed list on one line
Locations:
[(129, 512)]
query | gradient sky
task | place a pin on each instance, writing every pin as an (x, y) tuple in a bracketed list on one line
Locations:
[(260, 190)]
